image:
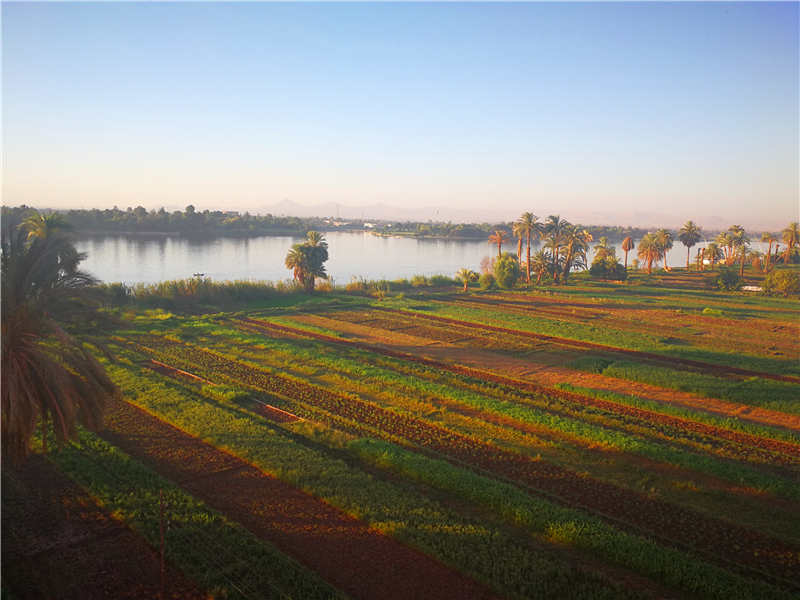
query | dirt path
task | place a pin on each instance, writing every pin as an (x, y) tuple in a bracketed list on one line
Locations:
[(58, 543), (343, 550), (539, 368)]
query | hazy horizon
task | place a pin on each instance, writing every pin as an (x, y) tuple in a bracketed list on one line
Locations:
[(631, 114)]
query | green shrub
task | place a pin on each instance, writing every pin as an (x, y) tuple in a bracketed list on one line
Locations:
[(608, 268), (728, 279), (419, 281), (712, 311), (487, 281), (782, 283), (441, 281), (506, 270)]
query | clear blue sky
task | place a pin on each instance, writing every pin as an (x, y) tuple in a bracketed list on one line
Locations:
[(685, 110)]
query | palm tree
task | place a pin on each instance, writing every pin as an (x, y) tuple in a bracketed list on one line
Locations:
[(499, 237), (49, 377), (650, 250), (577, 241), (540, 264), (602, 250), (768, 237), (664, 239), (713, 253), (528, 223), (689, 235), (725, 242), (466, 276), (307, 260), (554, 228), (790, 237), (518, 233), (627, 246)]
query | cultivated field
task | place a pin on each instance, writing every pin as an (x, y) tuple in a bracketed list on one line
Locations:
[(590, 441)]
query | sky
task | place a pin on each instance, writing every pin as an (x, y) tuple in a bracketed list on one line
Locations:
[(607, 113)]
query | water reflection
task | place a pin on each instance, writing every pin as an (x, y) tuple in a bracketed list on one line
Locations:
[(133, 259)]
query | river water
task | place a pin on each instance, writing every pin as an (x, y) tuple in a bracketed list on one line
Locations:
[(134, 259)]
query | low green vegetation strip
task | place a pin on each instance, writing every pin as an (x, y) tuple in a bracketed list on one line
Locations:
[(565, 415), (219, 555), (400, 511), (754, 391), (601, 338), (563, 526)]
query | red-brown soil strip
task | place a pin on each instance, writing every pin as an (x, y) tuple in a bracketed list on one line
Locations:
[(718, 370), (58, 543), (170, 371), (719, 541), (526, 387), (343, 550)]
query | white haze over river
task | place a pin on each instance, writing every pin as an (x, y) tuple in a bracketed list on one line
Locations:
[(135, 259)]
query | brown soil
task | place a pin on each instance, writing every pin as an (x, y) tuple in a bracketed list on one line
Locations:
[(343, 550), (542, 368), (681, 527), (58, 543)]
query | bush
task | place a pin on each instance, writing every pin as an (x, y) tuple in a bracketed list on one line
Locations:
[(782, 283), (442, 280), (608, 268), (728, 279), (506, 271), (487, 281), (419, 281)]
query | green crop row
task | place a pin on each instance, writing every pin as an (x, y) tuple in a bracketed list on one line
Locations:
[(398, 510), (221, 556)]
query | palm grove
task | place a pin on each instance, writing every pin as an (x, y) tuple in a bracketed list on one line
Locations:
[(565, 247)]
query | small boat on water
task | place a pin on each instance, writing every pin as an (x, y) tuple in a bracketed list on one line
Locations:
[(199, 274)]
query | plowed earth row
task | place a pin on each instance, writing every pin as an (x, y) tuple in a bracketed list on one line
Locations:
[(712, 369), (780, 452), (542, 367), (718, 540), (344, 551), (58, 543)]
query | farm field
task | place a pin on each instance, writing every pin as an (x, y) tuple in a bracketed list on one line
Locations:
[(590, 441)]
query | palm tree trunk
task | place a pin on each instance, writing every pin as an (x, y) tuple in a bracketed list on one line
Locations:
[(499, 249), (519, 249), (528, 259), (688, 248)]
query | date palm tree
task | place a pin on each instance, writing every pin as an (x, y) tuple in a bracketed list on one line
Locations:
[(689, 235), (649, 251), (627, 246), (768, 237), (577, 243), (49, 376), (791, 237), (713, 253), (466, 276), (499, 237), (540, 265), (307, 260), (528, 224), (554, 228), (724, 241), (664, 239)]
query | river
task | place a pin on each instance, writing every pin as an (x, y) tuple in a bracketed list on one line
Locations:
[(148, 259)]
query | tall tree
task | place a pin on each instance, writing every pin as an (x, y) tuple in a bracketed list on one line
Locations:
[(49, 376), (307, 260), (768, 237), (649, 251), (724, 241), (689, 235), (713, 253), (664, 240), (576, 244), (540, 265), (528, 224), (554, 228), (499, 237), (627, 246), (791, 237)]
